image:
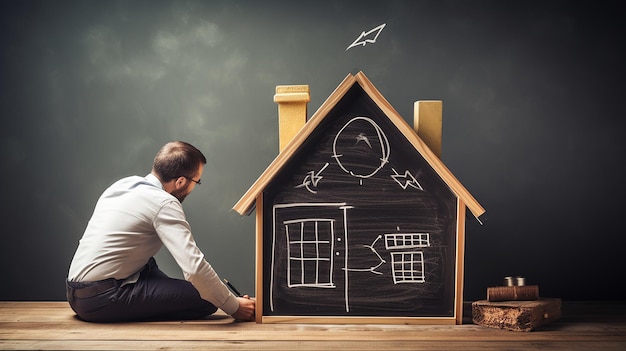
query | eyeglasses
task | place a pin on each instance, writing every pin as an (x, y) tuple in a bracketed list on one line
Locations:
[(193, 180)]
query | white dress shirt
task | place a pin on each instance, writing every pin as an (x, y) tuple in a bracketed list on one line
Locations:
[(132, 220)]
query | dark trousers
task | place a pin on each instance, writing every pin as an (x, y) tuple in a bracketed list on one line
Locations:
[(154, 296)]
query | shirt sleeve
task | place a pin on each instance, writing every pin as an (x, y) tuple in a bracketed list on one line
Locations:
[(175, 233)]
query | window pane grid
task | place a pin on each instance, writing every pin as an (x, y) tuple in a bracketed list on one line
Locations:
[(309, 250)]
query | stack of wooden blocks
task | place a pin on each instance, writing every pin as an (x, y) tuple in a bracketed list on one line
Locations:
[(515, 306)]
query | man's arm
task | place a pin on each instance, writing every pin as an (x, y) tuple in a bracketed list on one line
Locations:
[(175, 233)]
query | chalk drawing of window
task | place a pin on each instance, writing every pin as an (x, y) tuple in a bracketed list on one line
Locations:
[(309, 248), (406, 240), (407, 267)]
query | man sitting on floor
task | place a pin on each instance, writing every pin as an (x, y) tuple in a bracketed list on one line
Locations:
[(113, 276)]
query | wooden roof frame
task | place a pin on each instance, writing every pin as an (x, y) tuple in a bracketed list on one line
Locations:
[(246, 204)]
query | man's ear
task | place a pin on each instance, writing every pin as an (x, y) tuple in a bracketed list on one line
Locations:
[(180, 182)]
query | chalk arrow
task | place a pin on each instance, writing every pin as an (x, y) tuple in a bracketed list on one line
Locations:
[(312, 179), (367, 37), (406, 180), (372, 269)]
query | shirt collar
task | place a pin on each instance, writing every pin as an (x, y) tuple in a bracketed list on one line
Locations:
[(152, 179)]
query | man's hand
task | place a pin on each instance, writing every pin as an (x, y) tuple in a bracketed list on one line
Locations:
[(245, 312)]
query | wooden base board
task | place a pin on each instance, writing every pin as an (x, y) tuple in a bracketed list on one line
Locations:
[(516, 315), (585, 325)]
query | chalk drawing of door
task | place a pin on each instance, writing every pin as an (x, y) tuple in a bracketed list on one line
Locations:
[(309, 253)]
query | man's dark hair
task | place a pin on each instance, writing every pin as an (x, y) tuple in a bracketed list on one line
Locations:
[(177, 159)]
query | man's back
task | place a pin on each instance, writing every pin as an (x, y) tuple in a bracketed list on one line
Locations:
[(120, 236)]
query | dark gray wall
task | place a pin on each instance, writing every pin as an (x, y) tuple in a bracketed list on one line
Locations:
[(533, 121)]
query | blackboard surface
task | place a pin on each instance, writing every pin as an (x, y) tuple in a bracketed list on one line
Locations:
[(533, 121), (358, 224)]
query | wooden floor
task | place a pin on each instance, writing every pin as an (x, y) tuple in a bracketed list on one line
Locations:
[(52, 326)]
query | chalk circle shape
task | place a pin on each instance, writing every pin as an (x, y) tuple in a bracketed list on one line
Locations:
[(361, 147)]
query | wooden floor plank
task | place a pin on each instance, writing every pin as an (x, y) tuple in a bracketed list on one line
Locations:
[(53, 326), (177, 330), (308, 345)]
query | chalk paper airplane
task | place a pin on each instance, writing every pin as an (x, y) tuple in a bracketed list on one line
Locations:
[(362, 137), (367, 37)]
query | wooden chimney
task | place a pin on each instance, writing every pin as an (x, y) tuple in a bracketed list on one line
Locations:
[(427, 123), (292, 109)]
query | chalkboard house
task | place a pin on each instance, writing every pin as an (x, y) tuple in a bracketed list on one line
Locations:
[(358, 220)]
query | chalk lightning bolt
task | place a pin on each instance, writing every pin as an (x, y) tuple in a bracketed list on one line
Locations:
[(406, 180), (363, 38)]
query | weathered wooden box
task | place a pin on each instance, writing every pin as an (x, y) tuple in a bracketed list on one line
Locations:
[(516, 315)]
